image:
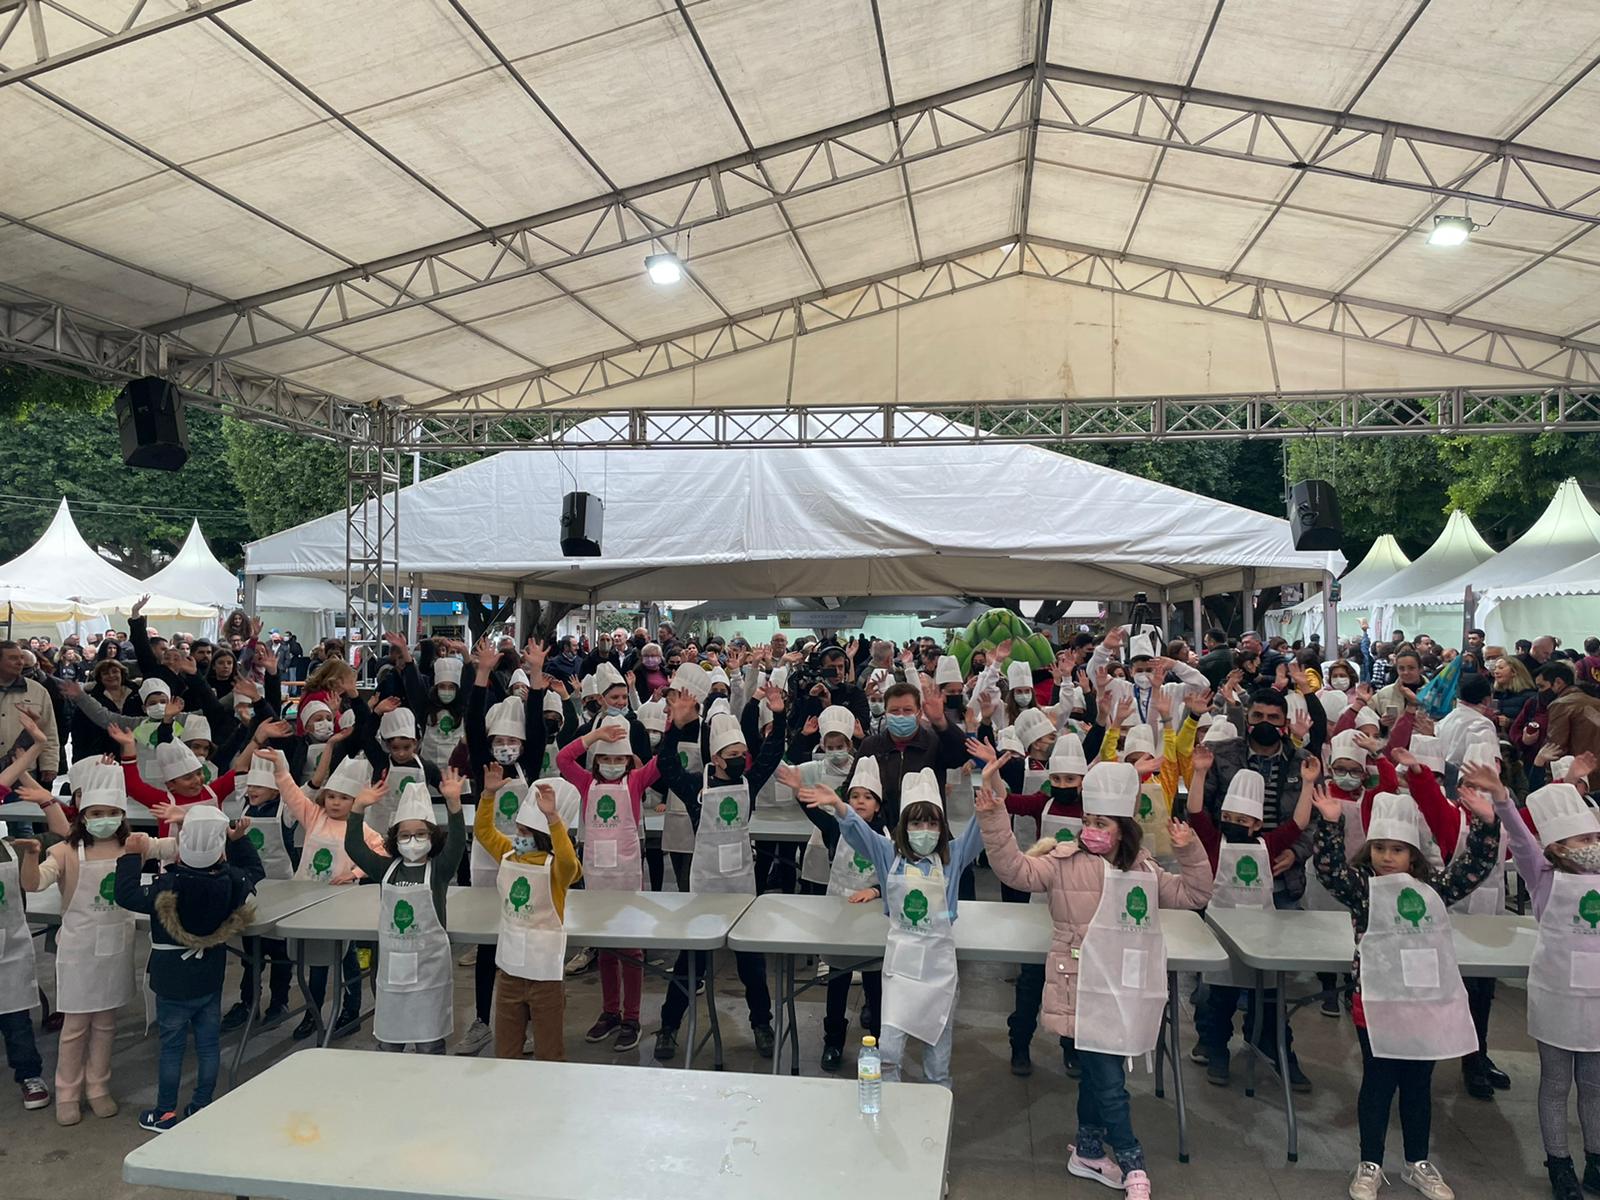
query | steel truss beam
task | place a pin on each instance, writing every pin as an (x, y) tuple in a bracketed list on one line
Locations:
[(372, 533), (39, 35)]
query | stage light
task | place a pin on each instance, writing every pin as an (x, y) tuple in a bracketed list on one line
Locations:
[(663, 269), (1450, 231)]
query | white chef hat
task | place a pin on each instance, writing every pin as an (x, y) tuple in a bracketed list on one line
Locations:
[(174, 759), (948, 670), (519, 676), (262, 774), (1073, 698), (569, 804), (1561, 767), (836, 718), (1031, 725), (529, 813), (313, 709), (1110, 789), (1483, 751), (690, 678), (1295, 706), (779, 677), (725, 732), (1345, 747), (717, 708), (1220, 730), (415, 804), (868, 776), (1396, 819), (400, 722), (203, 835), (1559, 812), (1067, 757), (1334, 702), (1141, 739), (607, 676), (447, 671), (715, 676), (552, 705), (623, 746), (1367, 718), (920, 787), (154, 687), (195, 729), (99, 783), (588, 686), (350, 776), (652, 715), (1247, 794), (1008, 741), (1429, 751), (509, 718), (1019, 675)]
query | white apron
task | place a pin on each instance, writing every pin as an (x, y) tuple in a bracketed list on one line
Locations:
[(1317, 898), (1060, 829), (1564, 975), (1488, 899), (814, 866), (266, 835), (19, 983), (1024, 829), (415, 982), (381, 815), (850, 872), (440, 739), (612, 860), (919, 959), (677, 831), (484, 870), (1122, 968), (1243, 880), (323, 858), (531, 943), (94, 950), (1151, 812), (960, 793), (723, 859), (1411, 989)]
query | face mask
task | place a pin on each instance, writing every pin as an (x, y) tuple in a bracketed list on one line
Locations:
[(901, 726), (321, 731), (1143, 679), (1349, 781), (506, 755), (1585, 858), (652, 660), (655, 740), (447, 695), (614, 710), (875, 707), (613, 770), (155, 710), (1022, 699), (414, 849), (103, 827), (839, 759), (1265, 735), (1095, 841), (523, 845), (734, 769), (923, 841), (1234, 832)]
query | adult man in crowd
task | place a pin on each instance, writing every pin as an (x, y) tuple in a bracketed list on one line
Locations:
[(1470, 720), (1574, 714), (1536, 653), (566, 662), (1217, 660), (18, 691)]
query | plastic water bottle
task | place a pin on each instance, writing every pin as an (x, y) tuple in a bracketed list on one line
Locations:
[(869, 1075)]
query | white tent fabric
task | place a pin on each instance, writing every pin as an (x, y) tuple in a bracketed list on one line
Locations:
[(159, 607), (195, 574), (1459, 547), (836, 521), (1565, 604), (1383, 560), (62, 564), (311, 608)]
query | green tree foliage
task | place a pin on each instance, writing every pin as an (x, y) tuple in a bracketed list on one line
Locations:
[(283, 479), (1392, 485)]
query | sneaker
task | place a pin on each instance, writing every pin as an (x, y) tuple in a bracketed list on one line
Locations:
[(1217, 1072), (275, 1015), (103, 1107), (1591, 1173), (822, 968), (527, 1041), (765, 1040), (474, 1039), (1425, 1177), (349, 1022), (34, 1093), (191, 1108), (1563, 1179), (666, 1045), (1366, 1181), (700, 987), (627, 1037), (235, 1017), (307, 1026), (1137, 1185), (1101, 1170), (68, 1112), (832, 1059), (580, 962), (608, 1024), (1200, 1053), (468, 958), (1298, 1080), (1021, 1062), (156, 1121), (1330, 1005), (1069, 1062)]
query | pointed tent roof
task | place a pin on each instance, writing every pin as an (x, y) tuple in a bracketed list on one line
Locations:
[(1458, 548), (195, 575), (821, 520), (1566, 533), (1382, 562), (62, 564)]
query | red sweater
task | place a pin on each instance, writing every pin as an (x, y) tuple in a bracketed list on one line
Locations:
[(1277, 840), (215, 792)]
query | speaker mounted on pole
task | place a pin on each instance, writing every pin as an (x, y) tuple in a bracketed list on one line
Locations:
[(150, 425), (1314, 516)]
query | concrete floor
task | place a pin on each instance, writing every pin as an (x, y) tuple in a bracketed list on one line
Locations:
[(1010, 1134)]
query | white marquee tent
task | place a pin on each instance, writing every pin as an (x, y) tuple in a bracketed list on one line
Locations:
[(62, 564), (837, 521), (1458, 548), (1383, 559), (195, 574), (1565, 604)]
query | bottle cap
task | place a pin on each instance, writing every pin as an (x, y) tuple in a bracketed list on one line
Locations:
[(869, 1040)]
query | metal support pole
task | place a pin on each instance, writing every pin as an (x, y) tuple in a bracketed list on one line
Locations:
[(1330, 618), (1247, 601), (414, 611), (519, 613), (1166, 618), (251, 582), (372, 533), (1199, 615)]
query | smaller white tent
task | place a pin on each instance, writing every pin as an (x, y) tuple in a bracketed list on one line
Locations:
[(195, 575), (1383, 560), (311, 608), (62, 564), (1458, 548)]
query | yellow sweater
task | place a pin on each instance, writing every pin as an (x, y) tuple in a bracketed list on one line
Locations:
[(563, 874)]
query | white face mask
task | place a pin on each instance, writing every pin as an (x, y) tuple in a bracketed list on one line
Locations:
[(506, 755), (156, 710), (839, 759), (612, 770), (415, 848), (447, 695), (1143, 679), (923, 841), (1021, 698), (321, 731)]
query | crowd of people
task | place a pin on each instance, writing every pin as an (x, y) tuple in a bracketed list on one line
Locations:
[(1392, 779)]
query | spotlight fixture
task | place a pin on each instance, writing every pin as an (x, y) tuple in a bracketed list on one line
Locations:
[(1450, 231), (663, 269)]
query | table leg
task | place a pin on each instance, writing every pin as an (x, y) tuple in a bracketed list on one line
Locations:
[(1176, 1052), (257, 965), (335, 996), (779, 1032), (1283, 1065), (711, 1010), (1255, 1038), (693, 1017), (300, 968), (1161, 1039), (791, 991)]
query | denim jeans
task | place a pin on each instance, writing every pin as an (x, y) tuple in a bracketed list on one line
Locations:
[(21, 1051), (1213, 1017), (175, 1018), (1103, 1112)]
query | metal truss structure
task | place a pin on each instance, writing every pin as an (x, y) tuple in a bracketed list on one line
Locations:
[(39, 35), (372, 534)]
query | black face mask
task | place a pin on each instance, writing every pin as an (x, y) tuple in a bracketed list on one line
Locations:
[(734, 769), (956, 703), (639, 640), (1234, 832), (1266, 736)]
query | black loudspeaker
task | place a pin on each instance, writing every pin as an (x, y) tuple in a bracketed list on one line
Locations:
[(150, 423), (580, 525), (1314, 515)]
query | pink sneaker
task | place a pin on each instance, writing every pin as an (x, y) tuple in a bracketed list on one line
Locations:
[(1137, 1186), (1102, 1170)]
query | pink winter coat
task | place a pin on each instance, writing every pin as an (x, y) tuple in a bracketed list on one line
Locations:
[(1074, 879)]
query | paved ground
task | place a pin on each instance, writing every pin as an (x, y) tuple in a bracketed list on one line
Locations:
[(1010, 1136)]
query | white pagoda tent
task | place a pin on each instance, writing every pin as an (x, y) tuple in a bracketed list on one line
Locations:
[(1383, 560)]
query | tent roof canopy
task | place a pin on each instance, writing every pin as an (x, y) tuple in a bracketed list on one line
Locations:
[(195, 574), (1458, 547), (838, 521), (1383, 561), (450, 206), (62, 564)]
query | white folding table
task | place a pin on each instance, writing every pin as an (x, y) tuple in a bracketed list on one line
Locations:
[(985, 931), (139, 817), (1278, 943), (516, 1130)]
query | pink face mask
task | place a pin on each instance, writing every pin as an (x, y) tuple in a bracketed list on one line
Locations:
[(1096, 841)]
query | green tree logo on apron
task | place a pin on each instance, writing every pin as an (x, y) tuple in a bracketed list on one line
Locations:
[(1246, 871), (108, 889), (256, 838), (1145, 807), (1411, 906), (1589, 908), (520, 892), (1064, 834), (1047, 790), (545, 764), (322, 861), (404, 916), (728, 811), (508, 804), (2, 895), (606, 808), (863, 865), (447, 724), (915, 908), (683, 759), (1138, 905)]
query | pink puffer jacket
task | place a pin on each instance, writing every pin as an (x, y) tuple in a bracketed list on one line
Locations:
[(1073, 880)]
